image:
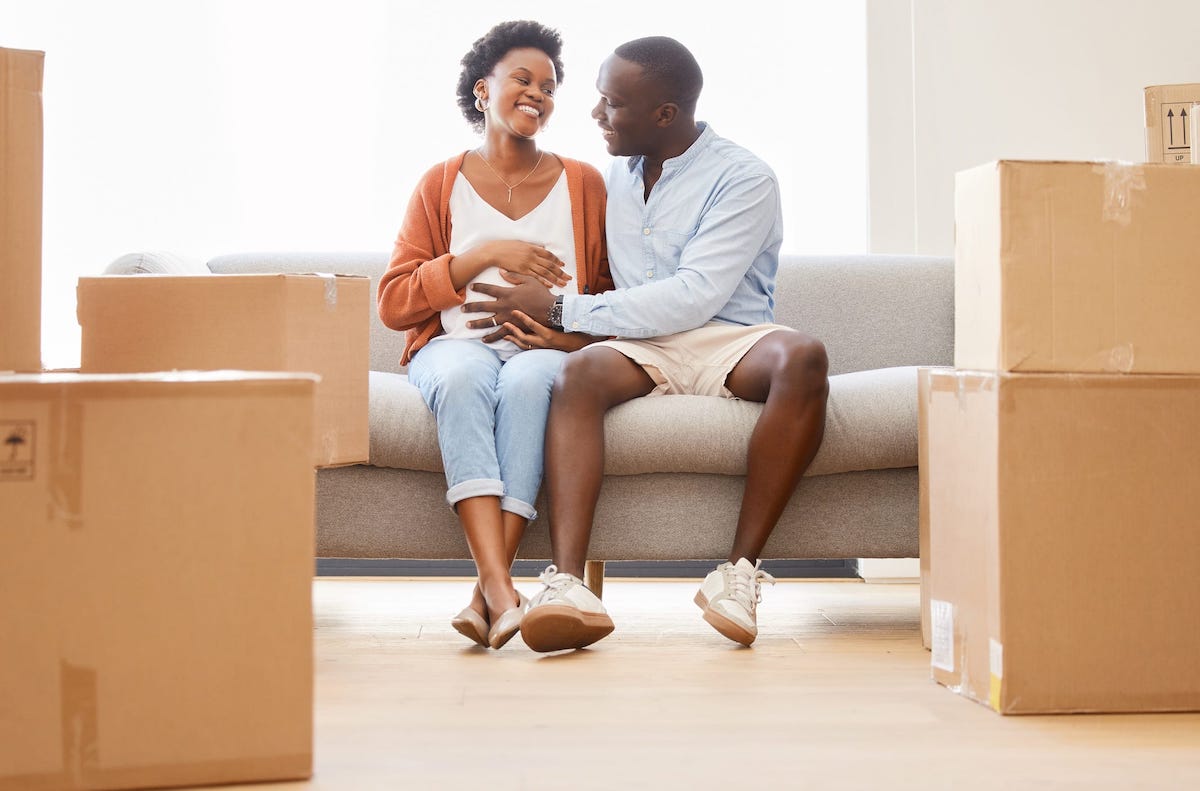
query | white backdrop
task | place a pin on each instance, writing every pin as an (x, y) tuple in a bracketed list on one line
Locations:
[(957, 83), (211, 126)]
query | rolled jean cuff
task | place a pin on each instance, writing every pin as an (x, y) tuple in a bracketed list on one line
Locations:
[(480, 487), (518, 507)]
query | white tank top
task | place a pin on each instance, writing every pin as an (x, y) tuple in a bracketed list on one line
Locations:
[(474, 221)]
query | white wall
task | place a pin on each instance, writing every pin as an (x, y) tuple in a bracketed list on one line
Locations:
[(213, 126), (956, 83)]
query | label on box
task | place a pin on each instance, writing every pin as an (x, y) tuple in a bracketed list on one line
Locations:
[(16, 454), (1176, 144), (942, 643), (996, 666), (1169, 111)]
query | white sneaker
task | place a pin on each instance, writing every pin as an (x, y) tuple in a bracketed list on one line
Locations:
[(564, 614), (729, 596)]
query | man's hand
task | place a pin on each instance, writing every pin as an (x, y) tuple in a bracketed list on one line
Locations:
[(528, 296), (529, 334)]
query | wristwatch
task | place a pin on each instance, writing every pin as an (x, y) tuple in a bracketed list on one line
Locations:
[(554, 316)]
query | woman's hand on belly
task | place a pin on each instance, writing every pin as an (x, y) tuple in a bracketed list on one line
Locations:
[(516, 257)]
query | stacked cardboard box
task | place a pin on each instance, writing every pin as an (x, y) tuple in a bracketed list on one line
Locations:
[(1194, 128), (20, 210), (1170, 116), (155, 579), (313, 323), (156, 529), (1061, 449)]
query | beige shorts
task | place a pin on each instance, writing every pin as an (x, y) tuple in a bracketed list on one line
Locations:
[(693, 362)]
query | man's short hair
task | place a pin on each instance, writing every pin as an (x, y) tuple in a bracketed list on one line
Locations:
[(668, 62)]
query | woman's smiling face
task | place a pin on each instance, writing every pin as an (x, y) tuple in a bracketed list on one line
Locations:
[(520, 91)]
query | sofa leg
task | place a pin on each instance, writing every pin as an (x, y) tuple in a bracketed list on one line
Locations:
[(593, 577)]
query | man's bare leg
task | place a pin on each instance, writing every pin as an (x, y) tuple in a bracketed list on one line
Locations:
[(565, 614), (591, 382), (788, 372)]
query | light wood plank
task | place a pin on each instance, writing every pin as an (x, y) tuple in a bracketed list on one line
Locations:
[(836, 693)]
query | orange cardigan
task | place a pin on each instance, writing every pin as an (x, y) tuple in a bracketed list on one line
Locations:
[(417, 287)]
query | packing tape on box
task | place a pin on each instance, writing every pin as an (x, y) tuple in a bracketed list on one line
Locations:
[(81, 752), (1118, 359), (65, 440), (1121, 179), (331, 288), (80, 723)]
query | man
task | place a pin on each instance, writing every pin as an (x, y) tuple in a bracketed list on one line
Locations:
[(694, 228)]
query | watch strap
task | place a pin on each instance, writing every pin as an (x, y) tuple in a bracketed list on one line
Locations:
[(554, 318)]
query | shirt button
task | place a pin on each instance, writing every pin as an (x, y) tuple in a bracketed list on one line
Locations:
[(649, 273), (574, 325), (646, 231)]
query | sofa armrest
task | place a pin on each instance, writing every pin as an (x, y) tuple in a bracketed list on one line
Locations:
[(156, 262)]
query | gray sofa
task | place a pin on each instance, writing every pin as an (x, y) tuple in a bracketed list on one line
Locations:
[(674, 465)]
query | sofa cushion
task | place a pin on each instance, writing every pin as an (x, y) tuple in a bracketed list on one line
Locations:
[(870, 424)]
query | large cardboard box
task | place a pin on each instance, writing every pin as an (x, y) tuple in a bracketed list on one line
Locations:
[(1064, 535), (1168, 135), (20, 210), (156, 560), (1195, 131), (316, 323), (1077, 267), (924, 473)]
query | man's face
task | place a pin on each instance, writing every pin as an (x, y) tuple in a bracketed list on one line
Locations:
[(627, 110)]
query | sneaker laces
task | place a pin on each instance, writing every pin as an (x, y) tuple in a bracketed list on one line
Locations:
[(548, 575), (556, 584), (745, 588)]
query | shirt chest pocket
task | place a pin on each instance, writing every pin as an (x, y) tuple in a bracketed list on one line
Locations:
[(667, 245)]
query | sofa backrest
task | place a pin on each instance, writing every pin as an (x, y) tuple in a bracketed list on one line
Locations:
[(870, 311)]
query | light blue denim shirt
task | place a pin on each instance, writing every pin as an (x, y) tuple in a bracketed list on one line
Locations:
[(705, 247)]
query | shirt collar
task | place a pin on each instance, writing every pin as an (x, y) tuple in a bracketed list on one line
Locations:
[(698, 145)]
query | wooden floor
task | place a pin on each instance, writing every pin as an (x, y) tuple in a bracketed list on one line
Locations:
[(835, 694)]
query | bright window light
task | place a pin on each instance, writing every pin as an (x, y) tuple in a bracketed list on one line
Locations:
[(205, 127)]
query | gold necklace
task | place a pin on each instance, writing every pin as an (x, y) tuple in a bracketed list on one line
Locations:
[(511, 187)]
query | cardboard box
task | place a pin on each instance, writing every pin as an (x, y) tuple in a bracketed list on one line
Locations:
[(20, 210), (1195, 130), (316, 323), (1063, 537), (1077, 267), (924, 472), (1168, 135), (156, 560)]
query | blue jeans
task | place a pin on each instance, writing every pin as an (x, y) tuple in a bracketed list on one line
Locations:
[(491, 418)]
